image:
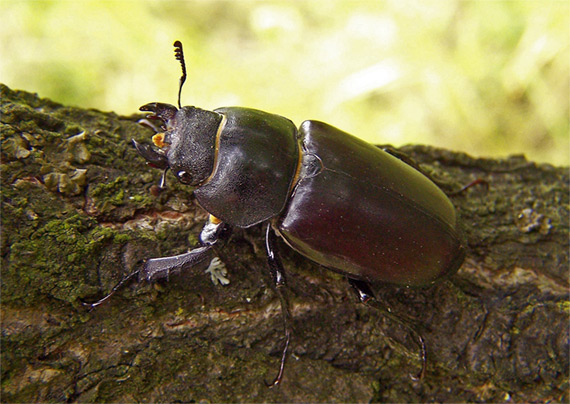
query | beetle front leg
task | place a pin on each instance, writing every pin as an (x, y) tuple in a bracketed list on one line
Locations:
[(160, 268), (366, 296), (278, 276)]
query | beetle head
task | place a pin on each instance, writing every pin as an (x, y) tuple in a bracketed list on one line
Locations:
[(187, 145)]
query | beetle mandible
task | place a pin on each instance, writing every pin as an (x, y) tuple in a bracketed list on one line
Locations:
[(337, 200)]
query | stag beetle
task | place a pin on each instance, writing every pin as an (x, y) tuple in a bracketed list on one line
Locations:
[(337, 200)]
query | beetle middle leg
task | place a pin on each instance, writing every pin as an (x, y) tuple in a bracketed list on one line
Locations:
[(278, 277), (365, 295)]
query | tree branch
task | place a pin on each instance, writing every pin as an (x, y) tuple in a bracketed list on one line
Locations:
[(80, 210)]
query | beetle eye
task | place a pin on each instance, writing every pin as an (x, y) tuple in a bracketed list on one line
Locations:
[(184, 177)]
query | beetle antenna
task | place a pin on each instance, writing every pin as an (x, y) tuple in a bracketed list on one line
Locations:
[(179, 55)]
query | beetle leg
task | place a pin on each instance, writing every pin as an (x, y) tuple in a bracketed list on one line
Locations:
[(159, 268), (275, 265), (405, 158), (478, 181), (365, 294), (112, 292), (213, 231), (412, 163), (278, 276)]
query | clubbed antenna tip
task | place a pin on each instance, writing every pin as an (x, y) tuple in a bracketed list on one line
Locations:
[(179, 55)]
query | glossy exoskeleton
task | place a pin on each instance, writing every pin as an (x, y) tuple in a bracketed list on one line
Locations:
[(339, 201)]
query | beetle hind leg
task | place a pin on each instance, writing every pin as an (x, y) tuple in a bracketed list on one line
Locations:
[(443, 185), (278, 277), (365, 295)]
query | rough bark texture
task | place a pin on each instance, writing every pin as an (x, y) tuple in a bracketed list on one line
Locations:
[(80, 209)]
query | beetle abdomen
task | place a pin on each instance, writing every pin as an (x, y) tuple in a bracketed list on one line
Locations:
[(368, 215)]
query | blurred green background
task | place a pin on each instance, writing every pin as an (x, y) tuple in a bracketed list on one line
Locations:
[(488, 78)]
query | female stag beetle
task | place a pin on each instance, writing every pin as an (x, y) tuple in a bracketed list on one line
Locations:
[(339, 201)]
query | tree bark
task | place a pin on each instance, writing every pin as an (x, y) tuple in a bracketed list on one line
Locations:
[(80, 210)]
